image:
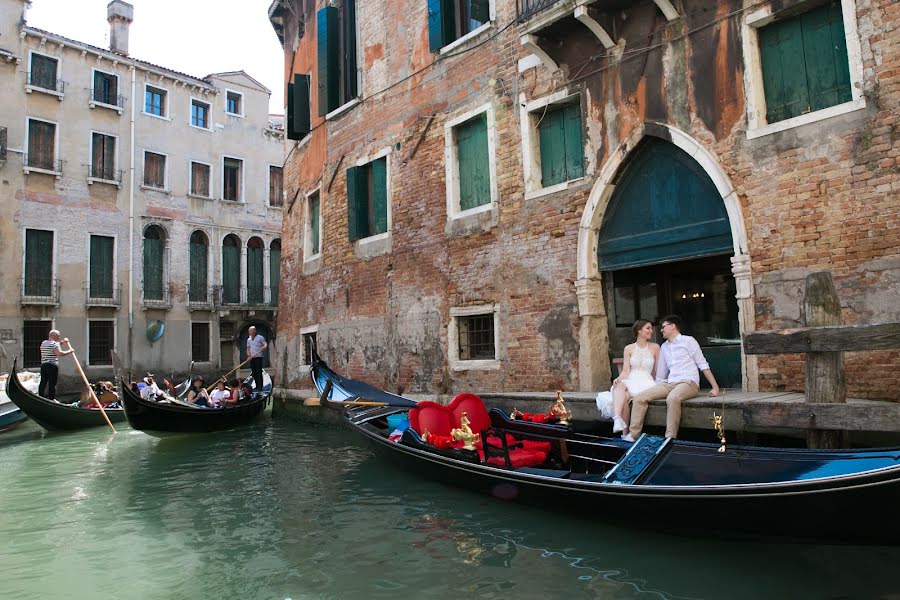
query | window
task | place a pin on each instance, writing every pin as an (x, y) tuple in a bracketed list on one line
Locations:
[(313, 227), (154, 247), (41, 145), (472, 338), (234, 103), (275, 186), (101, 342), (106, 88), (297, 109), (476, 337), (231, 269), (309, 347), (44, 73), (232, 174), (367, 199), (561, 144), (200, 174), (804, 63), (199, 267), (200, 342), (155, 101), (33, 334), (101, 267), (38, 263), (470, 171), (274, 271), (337, 61), (155, 170), (255, 273), (199, 114), (103, 157), (449, 20)]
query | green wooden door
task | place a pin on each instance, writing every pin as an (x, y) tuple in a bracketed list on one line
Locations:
[(255, 277), (101, 267), (474, 166), (38, 262), (275, 271), (198, 270), (231, 274), (153, 268)]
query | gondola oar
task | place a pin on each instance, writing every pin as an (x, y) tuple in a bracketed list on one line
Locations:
[(88, 385), (336, 405), (222, 378)]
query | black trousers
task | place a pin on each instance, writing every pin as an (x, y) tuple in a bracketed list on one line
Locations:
[(49, 375), (256, 369)]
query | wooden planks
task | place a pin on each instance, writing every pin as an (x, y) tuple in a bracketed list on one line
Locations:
[(838, 338)]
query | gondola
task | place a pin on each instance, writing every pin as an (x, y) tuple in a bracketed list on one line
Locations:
[(178, 417), (54, 416), (664, 484)]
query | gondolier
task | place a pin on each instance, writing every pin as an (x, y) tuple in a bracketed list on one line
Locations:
[(50, 353), (256, 344)]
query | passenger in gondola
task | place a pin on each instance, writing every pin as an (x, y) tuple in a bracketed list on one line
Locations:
[(220, 395), (234, 393), (197, 394), (150, 391)]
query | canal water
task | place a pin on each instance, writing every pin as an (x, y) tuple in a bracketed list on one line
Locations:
[(278, 510)]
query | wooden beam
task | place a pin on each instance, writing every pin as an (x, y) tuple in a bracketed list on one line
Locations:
[(581, 13), (839, 338), (869, 416)]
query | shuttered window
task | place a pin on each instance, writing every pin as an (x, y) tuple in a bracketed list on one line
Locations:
[(38, 262), (101, 266), (275, 186), (199, 257), (41, 145), (298, 111), (154, 170), (44, 71), (449, 20), (103, 157), (367, 198), (275, 270), (231, 179), (200, 179), (153, 264), (472, 158), (231, 270), (336, 54), (561, 144), (200, 342), (804, 63), (255, 275), (313, 226), (101, 342), (106, 88)]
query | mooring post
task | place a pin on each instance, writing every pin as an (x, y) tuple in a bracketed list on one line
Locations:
[(825, 379)]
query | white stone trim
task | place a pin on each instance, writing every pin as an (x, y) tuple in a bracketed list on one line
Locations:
[(531, 141), (451, 162), (29, 88), (165, 116), (241, 114), (308, 256), (480, 31), (209, 117), (25, 168), (305, 362), (90, 179), (241, 199), (360, 244), (340, 110), (453, 338), (144, 184)]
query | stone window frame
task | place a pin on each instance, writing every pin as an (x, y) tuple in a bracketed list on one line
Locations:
[(165, 116), (451, 164), (531, 143), (115, 257), (91, 179), (29, 88), (242, 114), (753, 79), (269, 187), (209, 117), (242, 180), (380, 243), (312, 262), (87, 337), (305, 361), (56, 160), (456, 364), (481, 32), (54, 269), (93, 102), (145, 186), (190, 180)]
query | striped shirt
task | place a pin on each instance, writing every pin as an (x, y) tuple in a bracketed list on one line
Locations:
[(48, 352)]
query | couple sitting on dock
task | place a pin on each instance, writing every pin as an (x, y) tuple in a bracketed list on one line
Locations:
[(653, 372)]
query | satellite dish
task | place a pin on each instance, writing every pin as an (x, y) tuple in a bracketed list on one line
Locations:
[(155, 330)]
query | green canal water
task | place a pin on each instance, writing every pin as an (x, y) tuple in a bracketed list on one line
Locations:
[(278, 510)]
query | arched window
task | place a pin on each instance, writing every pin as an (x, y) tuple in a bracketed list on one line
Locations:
[(154, 246), (231, 270), (275, 269), (199, 261), (255, 275)]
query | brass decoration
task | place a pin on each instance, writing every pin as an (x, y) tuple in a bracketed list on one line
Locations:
[(559, 409), (425, 436), (718, 422), (515, 414), (464, 433)]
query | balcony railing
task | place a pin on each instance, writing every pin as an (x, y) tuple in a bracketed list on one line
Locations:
[(103, 97), (103, 295), (253, 296), (43, 82), (3, 145), (41, 292), (155, 297), (200, 297), (525, 9), (43, 163), (105, 174)]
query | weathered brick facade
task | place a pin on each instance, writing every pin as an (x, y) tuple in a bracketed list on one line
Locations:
[(820, 195)]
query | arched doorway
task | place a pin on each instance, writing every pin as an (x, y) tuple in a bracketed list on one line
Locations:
[(231, 269)]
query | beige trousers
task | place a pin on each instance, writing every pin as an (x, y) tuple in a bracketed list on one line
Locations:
[(674, 393)]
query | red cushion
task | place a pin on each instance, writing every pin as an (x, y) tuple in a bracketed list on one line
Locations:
[(536, 445), (431, 417), (520, 457), (475, 410)]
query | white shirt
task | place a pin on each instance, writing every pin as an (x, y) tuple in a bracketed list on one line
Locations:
[(150, 392), (680, 360), (255, 344)]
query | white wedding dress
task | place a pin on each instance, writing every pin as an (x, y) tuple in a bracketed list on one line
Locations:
[(639, 379)]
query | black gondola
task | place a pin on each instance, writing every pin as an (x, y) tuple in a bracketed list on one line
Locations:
[(665, 484), (53, 415), (172, 417)]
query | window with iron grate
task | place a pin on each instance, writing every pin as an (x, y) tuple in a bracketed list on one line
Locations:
[(476, 337)]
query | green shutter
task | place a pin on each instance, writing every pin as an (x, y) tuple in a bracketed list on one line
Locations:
[(291, 132), (38, 262), (379, 196), (825, 49), (101, 267), (255, 277), (298, 107), (551, 131), (435, 25), (357, 204), (231, 274), (474, 166), (349, 66), (574, 141), (328, 21), (153, 269), (198, 272), (314, 222), (275, 272), (784, 70), (480, 10)]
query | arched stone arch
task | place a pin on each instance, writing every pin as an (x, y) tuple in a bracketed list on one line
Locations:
[(594, 334)]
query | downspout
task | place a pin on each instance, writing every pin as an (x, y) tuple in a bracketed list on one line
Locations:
[(131, 222)]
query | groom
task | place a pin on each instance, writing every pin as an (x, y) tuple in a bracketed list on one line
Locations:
[(677, 379)]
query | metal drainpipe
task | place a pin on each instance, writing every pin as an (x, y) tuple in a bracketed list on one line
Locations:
[(131, 223)]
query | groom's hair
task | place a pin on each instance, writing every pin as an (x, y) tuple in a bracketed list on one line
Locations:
[(674, 320)]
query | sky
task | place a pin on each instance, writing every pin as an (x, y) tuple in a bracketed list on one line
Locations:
[(197, 37)]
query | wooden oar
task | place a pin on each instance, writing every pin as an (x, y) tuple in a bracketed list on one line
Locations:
[(223, 377), (88, 385), (318, 402)]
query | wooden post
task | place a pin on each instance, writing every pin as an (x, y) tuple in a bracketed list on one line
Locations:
[(825, 378)]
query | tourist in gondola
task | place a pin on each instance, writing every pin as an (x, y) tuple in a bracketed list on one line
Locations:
[(50, 353), (197, 394), (256, 344), (220, 395), (637, 374), (150, 391), (234, 394)]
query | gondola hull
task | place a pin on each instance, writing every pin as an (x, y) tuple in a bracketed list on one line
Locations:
[(52, 415), (158, 417)]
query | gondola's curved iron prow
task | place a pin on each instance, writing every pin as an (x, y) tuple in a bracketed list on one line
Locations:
[(672, 485), (54, 416)]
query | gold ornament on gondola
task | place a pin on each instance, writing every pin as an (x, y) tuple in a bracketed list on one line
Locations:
[(464, 433), (559, 409), (515, 414), (718, 422)]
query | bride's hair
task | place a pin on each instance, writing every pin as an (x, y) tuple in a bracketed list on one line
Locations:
[(636, 328)]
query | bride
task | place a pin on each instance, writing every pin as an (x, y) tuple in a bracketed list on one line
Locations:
[(638, 373)]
